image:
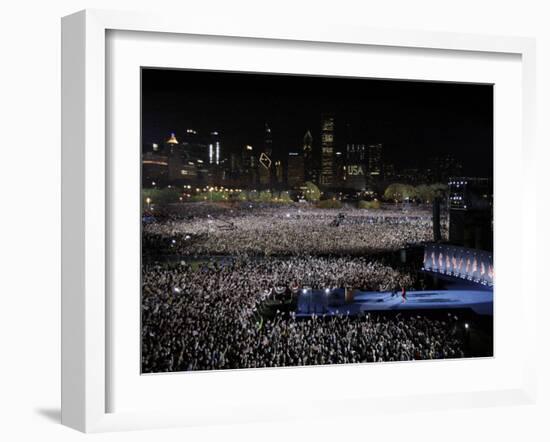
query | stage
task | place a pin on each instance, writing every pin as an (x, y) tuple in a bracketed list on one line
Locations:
[(323, 302)]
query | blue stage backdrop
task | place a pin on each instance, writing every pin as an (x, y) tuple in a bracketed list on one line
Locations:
[(470, 264)]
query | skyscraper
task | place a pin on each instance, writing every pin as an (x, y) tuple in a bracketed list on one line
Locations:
[(375, 160), (249, 172), (327, 150), (214, 148), (471, 212), (266, 167), (181, 167), (296, 169), (354, 172), (268, 141), (171, 144), (310, 166)]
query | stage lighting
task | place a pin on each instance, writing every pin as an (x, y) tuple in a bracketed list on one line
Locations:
[(466, 326)]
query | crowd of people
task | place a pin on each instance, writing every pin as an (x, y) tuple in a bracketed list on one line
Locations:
[(204, 309), (207, 316), (276, 231)]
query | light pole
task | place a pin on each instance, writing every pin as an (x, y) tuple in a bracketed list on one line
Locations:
[(467, 337)]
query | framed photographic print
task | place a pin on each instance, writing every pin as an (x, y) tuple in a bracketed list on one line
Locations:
[(268, 223)]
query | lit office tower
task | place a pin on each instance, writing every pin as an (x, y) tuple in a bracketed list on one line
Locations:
[(295, 170), (278, 172), (172, 149), (268, 141), (470, 204), (214, 148), (266, 167), (249, 171), (375, 160), (179, 166), (308, 146), (327, 150), (248, 158), (354, 176), (308, 160), (171, 144)]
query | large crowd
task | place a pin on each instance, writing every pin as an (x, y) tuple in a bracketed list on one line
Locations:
[(204, 310), (280, 231), (208, 317)]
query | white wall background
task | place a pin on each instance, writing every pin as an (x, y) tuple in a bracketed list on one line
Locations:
[(30, 213)]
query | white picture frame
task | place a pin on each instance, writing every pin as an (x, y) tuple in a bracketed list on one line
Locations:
[(85, 214)]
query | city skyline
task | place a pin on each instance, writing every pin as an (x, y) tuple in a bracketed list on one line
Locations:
[(414, 121)]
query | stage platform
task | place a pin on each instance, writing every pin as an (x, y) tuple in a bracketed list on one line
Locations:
[(319, 302)]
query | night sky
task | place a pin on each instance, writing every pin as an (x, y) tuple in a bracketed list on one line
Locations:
[(413, 120)]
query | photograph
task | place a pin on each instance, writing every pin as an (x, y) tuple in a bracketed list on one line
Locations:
[(231, 220), (297, 220)]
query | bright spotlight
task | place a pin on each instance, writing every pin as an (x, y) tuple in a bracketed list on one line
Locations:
[(466, 326)]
